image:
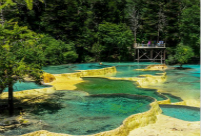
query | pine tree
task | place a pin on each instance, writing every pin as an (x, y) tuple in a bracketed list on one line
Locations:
[(190, 25), (172, 12), (150, 17), (161, 22), (12, 67)]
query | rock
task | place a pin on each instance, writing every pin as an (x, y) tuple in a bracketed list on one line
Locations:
[(47, 78)]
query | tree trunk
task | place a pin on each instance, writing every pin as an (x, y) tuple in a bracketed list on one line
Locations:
[(134, 33), (158, 37), (135, 36), (180, 66), (10, 99)]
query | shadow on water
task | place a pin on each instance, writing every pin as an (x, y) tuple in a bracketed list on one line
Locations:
[(95, 85), (73, 112), (31, 109), (35, 105), (60, 112), (50, 105)]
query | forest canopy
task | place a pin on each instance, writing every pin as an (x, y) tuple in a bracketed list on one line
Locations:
[(34, 33), (105, 30)]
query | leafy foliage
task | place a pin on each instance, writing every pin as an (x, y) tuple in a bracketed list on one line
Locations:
[(78, 22), (97, 49), (56, 51), (117, 40), (190, 25), (97, 30), (16, 42), (182, 54), (14, 67)]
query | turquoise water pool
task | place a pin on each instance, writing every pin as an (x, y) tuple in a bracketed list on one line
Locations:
[(78, 114), (129, 71), (74, 112), (194, 70), (172, 98), (181, 112), (71, 68), (129, 63), (20, 86), (106, 86), (183, 83)]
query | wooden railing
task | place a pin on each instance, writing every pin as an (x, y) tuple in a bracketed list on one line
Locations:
[(148, 45)]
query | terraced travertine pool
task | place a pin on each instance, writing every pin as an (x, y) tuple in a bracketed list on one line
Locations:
[(182, 83), (71, 68), (106, 86), (20, 86), (78, 114), (181, 112), (101, 104)]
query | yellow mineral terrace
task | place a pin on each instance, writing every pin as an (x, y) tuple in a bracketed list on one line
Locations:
[(130, 123), (144, 123), (67, 81), (155, 67)]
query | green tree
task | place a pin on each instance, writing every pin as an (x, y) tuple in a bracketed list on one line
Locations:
[(12, 66), (117, 40), (150, 17), (190, 25), (56, 51), (161, 21), (78, 21), (182, 54), (97, 49), (6, 3), (134, 17), (172, 11)]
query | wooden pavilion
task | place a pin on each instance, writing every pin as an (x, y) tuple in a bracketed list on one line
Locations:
[(153, 52)]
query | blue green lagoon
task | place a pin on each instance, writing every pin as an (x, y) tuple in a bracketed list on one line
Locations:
[(71, 68), (100, 104), (78, 114), (181, 112), (20, 86)]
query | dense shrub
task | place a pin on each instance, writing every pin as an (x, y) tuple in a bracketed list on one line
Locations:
[(57, 52)]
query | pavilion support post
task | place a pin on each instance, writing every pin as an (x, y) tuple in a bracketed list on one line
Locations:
[(164, 55), (151, 54), (161, 58), (134, 55)]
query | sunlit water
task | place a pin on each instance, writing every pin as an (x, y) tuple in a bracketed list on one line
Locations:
[(20, 86), (181, 112), (71, 68), (130, 71), (129, 63), (75, 113), (106, 86), (182, 83), (173, 98)]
